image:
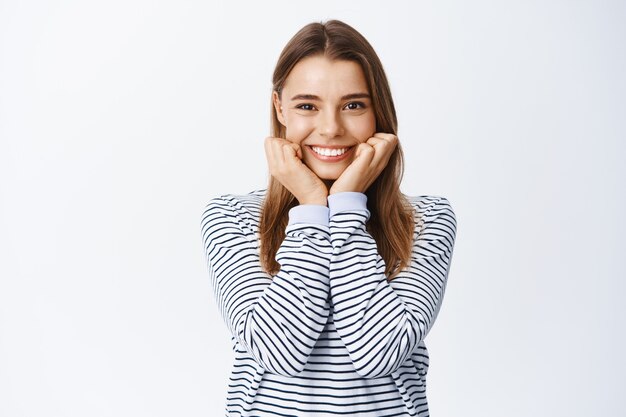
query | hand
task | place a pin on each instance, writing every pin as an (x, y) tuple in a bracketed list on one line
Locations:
[(371, 158), (284, 160)]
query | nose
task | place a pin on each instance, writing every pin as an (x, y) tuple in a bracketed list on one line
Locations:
[(330, 125)]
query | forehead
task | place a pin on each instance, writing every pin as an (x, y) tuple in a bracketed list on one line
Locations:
[(325, 78)]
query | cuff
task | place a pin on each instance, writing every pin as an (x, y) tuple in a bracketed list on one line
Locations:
[(309, 213), (347, 201)]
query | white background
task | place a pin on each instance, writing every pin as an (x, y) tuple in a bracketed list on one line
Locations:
[(119, 120)]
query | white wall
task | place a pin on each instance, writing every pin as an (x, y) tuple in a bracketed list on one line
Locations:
[(120, 119)]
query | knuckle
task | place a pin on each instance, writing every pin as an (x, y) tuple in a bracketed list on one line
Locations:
[(390, 137)]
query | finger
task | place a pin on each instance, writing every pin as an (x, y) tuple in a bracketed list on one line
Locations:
[(364, 153), (383, 145), (298, 150), (384, 138), (270, 150), (387, 144), (288, 151), (290, 156), (294, 149), (277, 151), (267, 144), (374, 141), (295, 146), (390, 137)]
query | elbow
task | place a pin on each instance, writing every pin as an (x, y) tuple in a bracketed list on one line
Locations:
[(277, 357), (274, 362)]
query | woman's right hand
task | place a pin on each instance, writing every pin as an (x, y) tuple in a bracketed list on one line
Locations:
[(284, 160)]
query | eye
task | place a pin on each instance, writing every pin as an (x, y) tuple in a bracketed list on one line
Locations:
[(305, 106), (355, 105)]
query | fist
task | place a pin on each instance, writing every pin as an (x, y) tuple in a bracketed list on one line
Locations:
[(371, 157), (284, 160)]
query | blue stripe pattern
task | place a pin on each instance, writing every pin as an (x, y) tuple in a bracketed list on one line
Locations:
[(327, 335)]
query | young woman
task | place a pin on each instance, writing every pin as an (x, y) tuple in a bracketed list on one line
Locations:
[(330, 278)]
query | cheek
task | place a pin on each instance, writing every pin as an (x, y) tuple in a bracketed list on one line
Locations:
[(362, 128), (298, 128)]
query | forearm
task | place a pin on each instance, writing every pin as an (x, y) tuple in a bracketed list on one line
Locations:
[(277, 319), (381, 323)]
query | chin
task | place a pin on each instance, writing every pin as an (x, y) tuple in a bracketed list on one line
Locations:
[(329, 176), (327, 173)]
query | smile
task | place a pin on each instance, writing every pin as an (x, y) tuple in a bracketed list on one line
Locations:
[(329, 151), (330, 154)]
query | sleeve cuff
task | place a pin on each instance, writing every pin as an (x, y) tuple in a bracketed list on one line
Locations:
[(347, 201), (309, 213)]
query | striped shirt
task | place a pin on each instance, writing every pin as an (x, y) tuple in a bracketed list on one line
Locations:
[(328, 335)]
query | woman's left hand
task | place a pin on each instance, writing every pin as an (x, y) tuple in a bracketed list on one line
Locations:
[(370, 159)]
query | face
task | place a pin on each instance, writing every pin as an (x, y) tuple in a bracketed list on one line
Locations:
[(326, 107)]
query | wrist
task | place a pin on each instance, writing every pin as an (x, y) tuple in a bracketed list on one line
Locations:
[(340, 189), (314, 201)]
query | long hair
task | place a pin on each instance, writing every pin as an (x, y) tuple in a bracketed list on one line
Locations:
[(391, 219)]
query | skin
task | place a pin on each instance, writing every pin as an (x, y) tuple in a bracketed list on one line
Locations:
[(326, 103)]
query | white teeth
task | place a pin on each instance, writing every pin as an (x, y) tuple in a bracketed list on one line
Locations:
[(329, 152)]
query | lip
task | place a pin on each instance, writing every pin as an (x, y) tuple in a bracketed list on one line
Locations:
[(325, 158)]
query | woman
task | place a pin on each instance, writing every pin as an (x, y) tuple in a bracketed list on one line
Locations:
[(330, 278)]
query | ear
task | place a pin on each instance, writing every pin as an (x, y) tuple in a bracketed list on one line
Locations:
[(278, 108)]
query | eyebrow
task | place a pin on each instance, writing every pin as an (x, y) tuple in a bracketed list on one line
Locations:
[(314, 97)]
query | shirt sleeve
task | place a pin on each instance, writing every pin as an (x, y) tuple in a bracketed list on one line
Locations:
[(276, 319), (381, 322)]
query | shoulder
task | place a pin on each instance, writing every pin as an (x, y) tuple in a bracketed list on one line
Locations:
[(236, 203), (431, 209), (425, 204), (241, 209)]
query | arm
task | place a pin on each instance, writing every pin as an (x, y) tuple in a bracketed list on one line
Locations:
[(382, 322), (277, 319)]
